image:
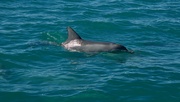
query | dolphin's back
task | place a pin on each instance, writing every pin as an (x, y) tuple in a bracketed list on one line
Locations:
[(92, 46)]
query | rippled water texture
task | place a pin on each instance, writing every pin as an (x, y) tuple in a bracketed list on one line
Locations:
[(35, 68)]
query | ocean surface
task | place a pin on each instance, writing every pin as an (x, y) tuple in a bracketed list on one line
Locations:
[(35, 68)]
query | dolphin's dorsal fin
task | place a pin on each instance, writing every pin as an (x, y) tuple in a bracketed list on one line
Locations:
[(72, 34)]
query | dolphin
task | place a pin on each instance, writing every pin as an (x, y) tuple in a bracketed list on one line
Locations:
[(75, 43)]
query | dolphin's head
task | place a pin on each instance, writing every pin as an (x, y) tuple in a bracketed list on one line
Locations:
[(117, 47)]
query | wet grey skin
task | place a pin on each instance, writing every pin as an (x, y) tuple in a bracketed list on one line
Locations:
[(75, 43)]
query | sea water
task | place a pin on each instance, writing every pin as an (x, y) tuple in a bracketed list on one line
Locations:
[(35, 68)]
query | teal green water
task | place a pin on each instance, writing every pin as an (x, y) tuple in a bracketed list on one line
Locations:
[(34, 68)]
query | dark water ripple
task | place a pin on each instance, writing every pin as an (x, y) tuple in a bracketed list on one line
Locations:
[(33, 67)]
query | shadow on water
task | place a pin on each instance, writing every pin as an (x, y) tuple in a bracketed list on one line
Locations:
[(121, 57), (101, 56)]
